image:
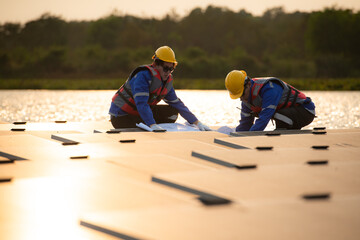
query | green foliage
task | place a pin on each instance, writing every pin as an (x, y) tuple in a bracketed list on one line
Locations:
[(208, 43), (331, 31), (338, 84), (67, 84), (106, 32), (333, 37), (348, 84), (44, 32)]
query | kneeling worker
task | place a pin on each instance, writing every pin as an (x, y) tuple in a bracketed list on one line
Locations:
[(268, 98), (136, 100)]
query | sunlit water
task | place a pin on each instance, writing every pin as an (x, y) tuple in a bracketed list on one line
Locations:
[(334, 110)]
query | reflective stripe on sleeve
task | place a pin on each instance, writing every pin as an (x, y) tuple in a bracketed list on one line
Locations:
[(141, 94), (245, 114), (172, 101), (271, 106)]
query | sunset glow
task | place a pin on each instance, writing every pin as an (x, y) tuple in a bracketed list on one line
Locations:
[(23, 11)]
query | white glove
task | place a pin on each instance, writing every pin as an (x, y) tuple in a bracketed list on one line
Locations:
[(203, 127), (156, 127)]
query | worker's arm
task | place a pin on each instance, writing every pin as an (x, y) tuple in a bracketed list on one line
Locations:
[(271, 95), (246, 119), (172, 99), (140, 85)]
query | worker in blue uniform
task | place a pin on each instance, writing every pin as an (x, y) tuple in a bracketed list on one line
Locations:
[(268, 98), (136, 100)]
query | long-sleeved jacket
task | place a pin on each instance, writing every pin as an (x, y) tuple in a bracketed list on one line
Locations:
[(271, 96), (140, 85)]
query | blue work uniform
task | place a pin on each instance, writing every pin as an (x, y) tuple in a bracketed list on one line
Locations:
[(271, 94), (139, 84)]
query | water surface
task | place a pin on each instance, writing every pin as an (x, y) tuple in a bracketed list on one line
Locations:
[(334, 110)]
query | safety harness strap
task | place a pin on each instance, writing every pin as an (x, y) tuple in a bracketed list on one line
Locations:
[(288, 97), (295, 97), (125, 99), (159, 97)]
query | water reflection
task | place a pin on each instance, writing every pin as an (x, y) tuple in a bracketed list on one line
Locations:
[(334, 109)]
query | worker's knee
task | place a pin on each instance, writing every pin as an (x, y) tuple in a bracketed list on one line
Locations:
[(293, 118)]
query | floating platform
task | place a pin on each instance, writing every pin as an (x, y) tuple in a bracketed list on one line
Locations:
[(66, 180)]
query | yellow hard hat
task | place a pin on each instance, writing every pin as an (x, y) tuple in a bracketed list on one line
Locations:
[(165, 54), (234, 83)]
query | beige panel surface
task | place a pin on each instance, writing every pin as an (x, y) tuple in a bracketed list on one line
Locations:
[(49, 158), (28, 146), (177, 148), (348, 139), (207, 137), (7, 132), (53, 155), (24, 140), (343, 130), (269, 182), (86, 127), (48, 134), (68, 168), (49, 208), (36, 148), (43, 134), (49, 192), (274, 132), (83, 138), (32, 147), (243, 157), (335, 219), (4, 159), (286, 132), (156, 163)]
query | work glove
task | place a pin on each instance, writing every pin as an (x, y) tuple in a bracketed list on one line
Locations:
[(156, 127), (203, 127)]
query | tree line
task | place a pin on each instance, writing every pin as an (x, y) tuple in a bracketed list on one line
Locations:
[(208, 43)]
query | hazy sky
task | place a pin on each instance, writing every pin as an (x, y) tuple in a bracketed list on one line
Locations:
[(25, 10)]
